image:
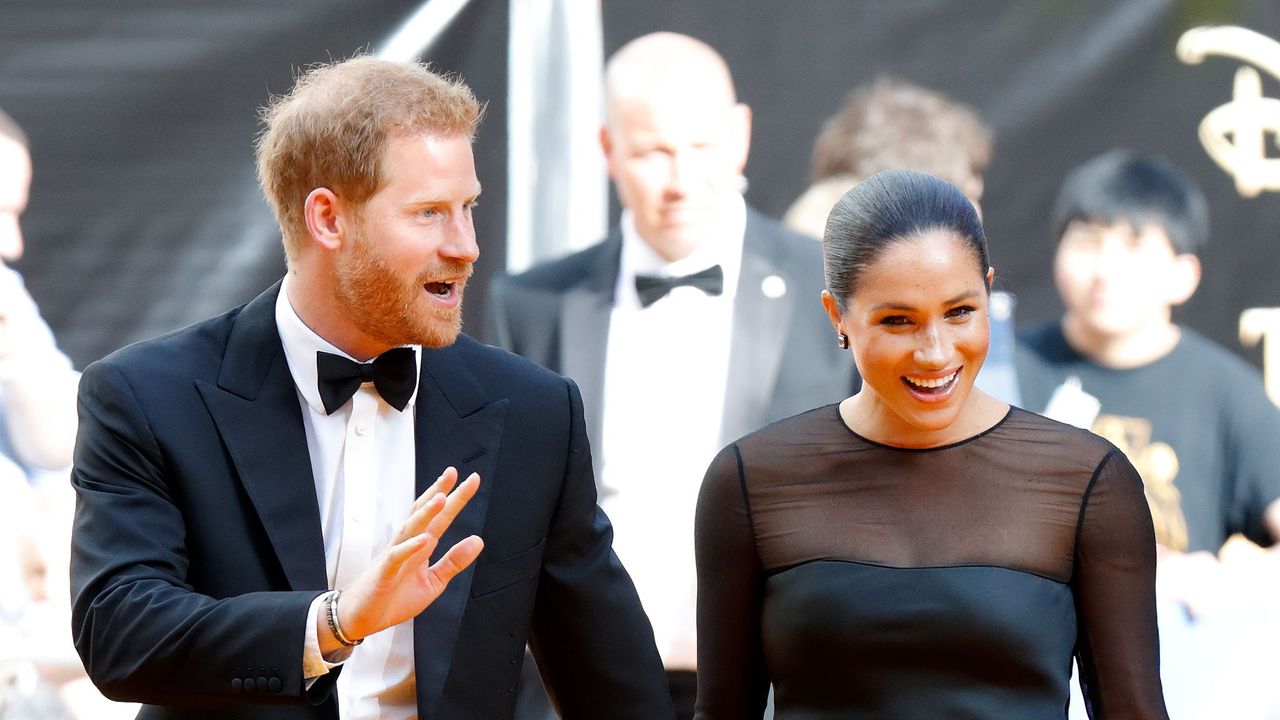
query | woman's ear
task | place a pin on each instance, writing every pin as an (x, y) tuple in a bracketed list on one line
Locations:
[(833, 311)]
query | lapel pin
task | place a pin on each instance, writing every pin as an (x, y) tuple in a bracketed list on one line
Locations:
[(773, 287)]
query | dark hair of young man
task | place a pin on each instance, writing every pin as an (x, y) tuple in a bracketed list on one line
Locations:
[(1124, 186)]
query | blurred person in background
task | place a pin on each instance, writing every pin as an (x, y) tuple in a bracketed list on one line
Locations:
[(44, 677), (37, 382), (26, 691), (40, 675), (692, 323), (1194, 419), (892, 124)]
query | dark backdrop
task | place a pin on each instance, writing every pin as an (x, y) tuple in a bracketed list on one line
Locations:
[(145, 214)]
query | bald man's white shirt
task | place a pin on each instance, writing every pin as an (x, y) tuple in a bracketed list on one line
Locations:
[(666, 373)]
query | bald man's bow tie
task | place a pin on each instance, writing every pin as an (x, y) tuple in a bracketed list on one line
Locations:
[(652, 288)]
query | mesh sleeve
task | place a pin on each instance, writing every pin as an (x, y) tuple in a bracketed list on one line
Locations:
[(732, 682), (1114, 586)]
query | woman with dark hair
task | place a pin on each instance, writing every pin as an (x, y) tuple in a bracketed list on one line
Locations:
[(921, 549)]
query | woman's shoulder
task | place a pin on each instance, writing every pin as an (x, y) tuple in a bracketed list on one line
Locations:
[(783, 447), (774, 451), (794, 431), (1023, 421), (1051, 441)]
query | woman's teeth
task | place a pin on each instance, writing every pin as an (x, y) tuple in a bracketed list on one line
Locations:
[(931, 383)]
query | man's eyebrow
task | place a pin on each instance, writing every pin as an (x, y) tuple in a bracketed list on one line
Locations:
[(428, 200)]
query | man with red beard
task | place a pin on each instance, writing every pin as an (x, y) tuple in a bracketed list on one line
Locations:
[(271, 503)]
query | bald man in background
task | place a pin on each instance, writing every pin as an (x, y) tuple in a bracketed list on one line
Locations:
[(693, 323)]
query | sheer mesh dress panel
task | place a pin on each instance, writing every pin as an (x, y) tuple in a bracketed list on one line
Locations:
[(867, 581)]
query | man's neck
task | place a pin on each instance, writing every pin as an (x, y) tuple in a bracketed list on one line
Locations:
[(1121, 352), (316, 308)]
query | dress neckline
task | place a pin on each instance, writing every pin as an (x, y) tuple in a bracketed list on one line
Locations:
[(963, 441)]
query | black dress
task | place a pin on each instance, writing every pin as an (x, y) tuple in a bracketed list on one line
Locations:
[(867, 581)]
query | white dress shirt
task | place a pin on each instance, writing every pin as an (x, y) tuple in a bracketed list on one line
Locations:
[(363, 461), (666, 367)]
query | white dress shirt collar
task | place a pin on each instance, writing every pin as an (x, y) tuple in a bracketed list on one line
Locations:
[(723, 249), (301, 344)]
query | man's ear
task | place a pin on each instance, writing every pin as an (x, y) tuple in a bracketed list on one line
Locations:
[(323, 213), (740, 116), (1184, 278), (606, 146)]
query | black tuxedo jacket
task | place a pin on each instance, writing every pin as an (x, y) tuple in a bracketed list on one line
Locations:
[(197, 546), (783, 358)]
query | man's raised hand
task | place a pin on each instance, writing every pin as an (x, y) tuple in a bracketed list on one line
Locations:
[(402, 581)]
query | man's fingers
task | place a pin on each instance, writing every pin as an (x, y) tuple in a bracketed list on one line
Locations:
[(453, 505), (443, 484), (424, 543), (432, 514), (455, 560), (422, 514), (403, 583), (458, 558)]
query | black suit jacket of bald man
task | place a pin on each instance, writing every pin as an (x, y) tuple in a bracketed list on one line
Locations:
[(783, 359)]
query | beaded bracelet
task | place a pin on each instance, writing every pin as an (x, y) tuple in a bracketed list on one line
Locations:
[(331, 606)]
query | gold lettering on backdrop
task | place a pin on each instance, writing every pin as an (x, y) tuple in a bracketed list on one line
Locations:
[(1235, 135), (1157, 464), (1262, 325)]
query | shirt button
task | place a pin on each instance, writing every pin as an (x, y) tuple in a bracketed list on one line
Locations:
[(355, 517), (362, 428)]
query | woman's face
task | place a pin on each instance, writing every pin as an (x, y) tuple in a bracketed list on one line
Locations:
[(918, 330)]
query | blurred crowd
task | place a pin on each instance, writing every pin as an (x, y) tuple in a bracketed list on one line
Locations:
[(40, 673)]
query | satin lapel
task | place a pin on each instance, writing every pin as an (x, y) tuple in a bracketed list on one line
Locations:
[(762, 313), (585, 311), (256, 409), (456, 426)]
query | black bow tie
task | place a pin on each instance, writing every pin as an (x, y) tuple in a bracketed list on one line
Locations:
[(394, 373), (652, 288)]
